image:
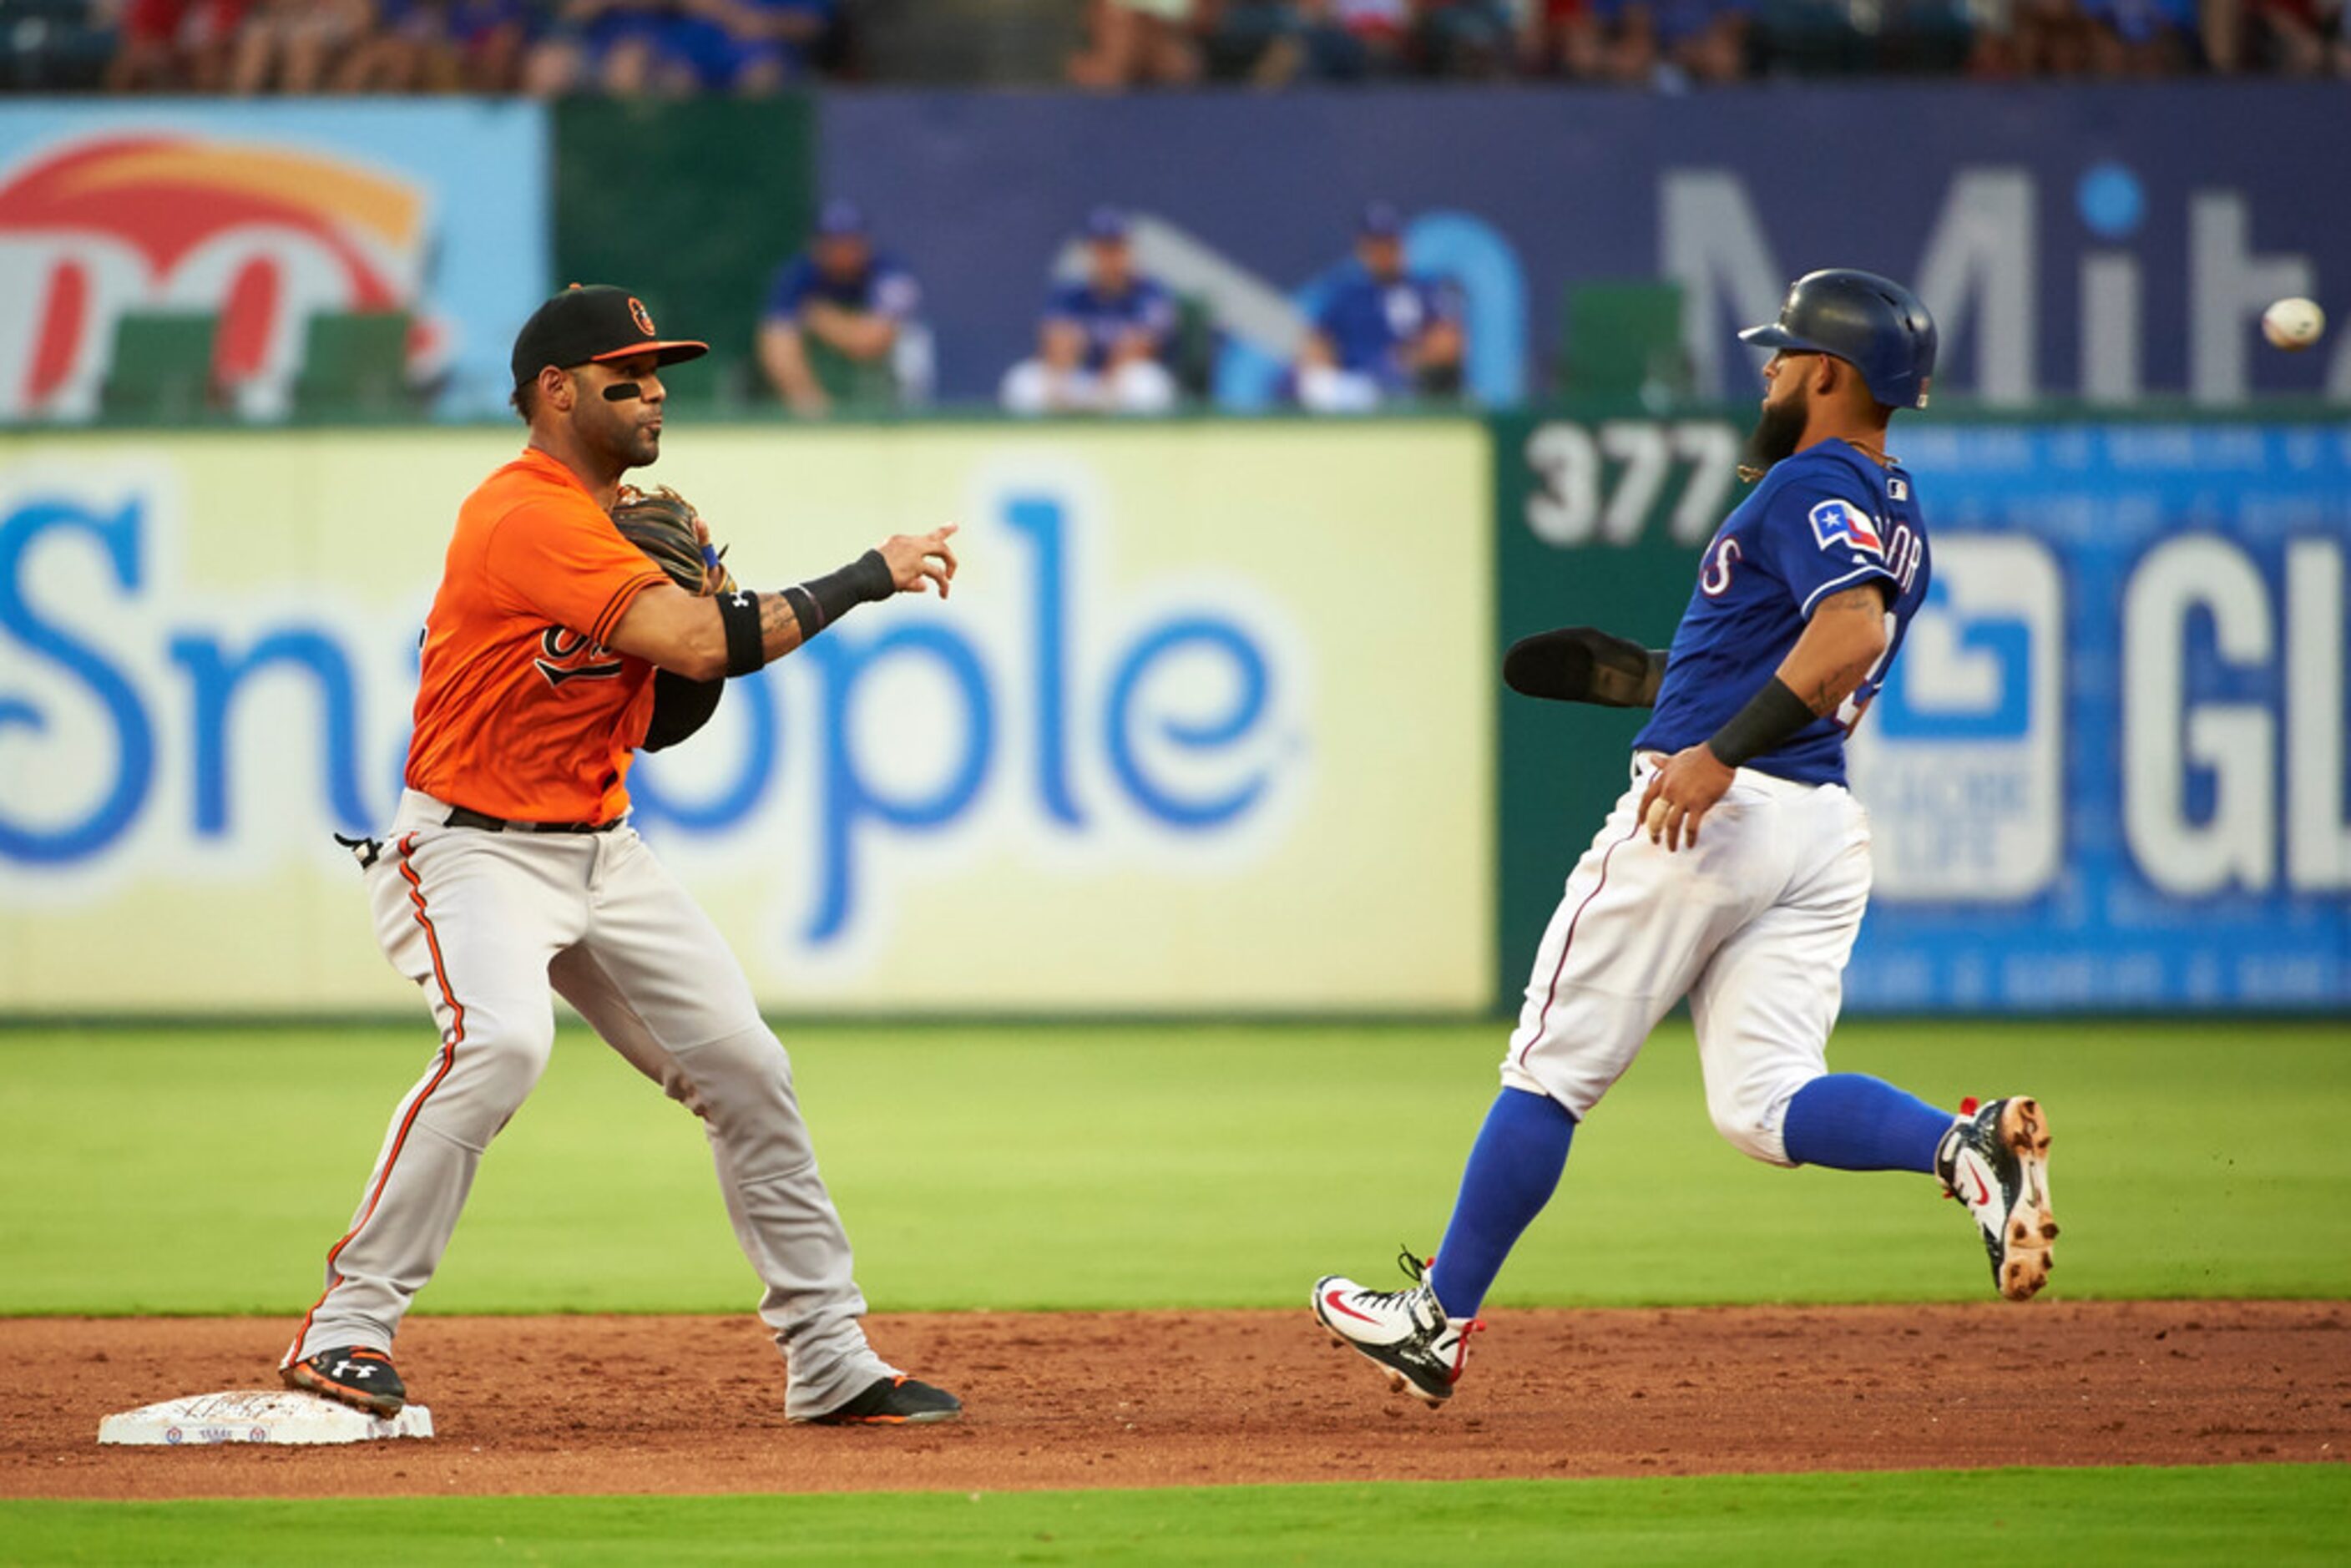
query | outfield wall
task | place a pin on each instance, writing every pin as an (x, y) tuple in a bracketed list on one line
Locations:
[(2108, 770), (1212, 724), (1202, 728)]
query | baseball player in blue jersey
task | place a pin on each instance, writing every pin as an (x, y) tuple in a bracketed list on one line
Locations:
[(1383, 334), (847, 299), (1734, 868), (1103, 344)]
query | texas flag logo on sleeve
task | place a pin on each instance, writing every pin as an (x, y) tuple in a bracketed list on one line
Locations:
[(1841, 523)]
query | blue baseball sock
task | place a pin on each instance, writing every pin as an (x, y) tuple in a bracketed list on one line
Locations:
[(1513, 1170), (1851, 1122)]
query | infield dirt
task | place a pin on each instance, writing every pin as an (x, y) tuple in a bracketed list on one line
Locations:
[(605, 1405)]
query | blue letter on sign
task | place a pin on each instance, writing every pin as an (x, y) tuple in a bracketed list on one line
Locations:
[(214, 678), (842, 663), (1128, 687), (134, 738)]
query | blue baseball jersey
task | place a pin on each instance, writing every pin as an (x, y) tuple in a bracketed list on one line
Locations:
[(1145, 306), (1825, 519), (884, 288), (1369, 321), (1674, 20)]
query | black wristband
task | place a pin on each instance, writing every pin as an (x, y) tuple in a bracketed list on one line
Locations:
[(1770, 717), (865, 581), (804, 611), (739, 614)]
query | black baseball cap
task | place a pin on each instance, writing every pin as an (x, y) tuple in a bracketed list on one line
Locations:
[(596, 322)]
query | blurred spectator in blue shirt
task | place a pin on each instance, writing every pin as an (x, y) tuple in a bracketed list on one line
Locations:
[(1669, 43), (679, 47), (1103, 344), (1382, 333), (1272, 42), (848, 304), (744, 46), (2141, 38)]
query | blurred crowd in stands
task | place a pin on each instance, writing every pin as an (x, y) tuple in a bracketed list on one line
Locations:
[(494, 47), (749, 47), (841, 329), (1673, 44)]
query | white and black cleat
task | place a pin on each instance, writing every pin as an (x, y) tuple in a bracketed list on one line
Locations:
[(1405, 1333), (1995, 1160)]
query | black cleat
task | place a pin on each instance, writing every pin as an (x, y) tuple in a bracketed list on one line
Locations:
[(892, 1402), (354, 1375)]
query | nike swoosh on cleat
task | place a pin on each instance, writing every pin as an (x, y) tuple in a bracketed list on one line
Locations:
[(1983, 1193), (1330, 1300)]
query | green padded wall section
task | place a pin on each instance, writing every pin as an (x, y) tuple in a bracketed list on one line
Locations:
[(162, 366), (690, 205)]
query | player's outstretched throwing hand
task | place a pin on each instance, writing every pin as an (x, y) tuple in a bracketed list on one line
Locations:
[(917, 560)]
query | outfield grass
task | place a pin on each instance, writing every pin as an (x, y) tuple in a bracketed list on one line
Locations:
[(202, 1171), (2270, 1514)]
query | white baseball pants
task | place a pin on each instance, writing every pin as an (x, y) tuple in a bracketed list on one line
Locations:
[(1754, 926), (485, 923)]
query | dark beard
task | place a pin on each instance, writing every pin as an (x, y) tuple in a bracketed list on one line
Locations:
[(1777, 431)]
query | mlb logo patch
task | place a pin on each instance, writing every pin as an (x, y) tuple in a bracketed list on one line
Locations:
[(1836, 523)]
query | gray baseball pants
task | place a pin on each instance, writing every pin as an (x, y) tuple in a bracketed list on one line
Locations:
[(485, 923)]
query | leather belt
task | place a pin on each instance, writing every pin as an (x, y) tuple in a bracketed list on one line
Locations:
[(460, 817)]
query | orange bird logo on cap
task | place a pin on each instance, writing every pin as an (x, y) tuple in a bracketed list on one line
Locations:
[(641, 316)]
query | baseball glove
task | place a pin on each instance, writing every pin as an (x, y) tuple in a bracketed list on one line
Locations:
[(661, 522)]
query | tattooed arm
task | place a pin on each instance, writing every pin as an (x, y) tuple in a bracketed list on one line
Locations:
[(1845, 638), (685, 634)]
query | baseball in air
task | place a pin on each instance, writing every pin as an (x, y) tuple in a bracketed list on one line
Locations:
[(2293, 323)]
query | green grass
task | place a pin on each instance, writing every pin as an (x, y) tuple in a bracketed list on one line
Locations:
[(2270, 1515), (202, 1171)]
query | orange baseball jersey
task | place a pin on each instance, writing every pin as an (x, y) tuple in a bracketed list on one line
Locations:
[(522, 712)]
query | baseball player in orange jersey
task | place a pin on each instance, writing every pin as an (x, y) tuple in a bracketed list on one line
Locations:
[(511, 867)]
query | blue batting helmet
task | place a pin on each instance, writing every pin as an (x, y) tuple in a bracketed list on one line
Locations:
[(1872, 323)]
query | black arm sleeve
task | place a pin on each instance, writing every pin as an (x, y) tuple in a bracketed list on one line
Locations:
[(681, 707), (1585, 664), (1771, 717)]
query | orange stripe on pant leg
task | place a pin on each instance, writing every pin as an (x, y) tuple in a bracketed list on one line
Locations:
[(448, 1059)]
